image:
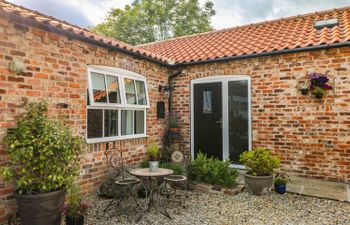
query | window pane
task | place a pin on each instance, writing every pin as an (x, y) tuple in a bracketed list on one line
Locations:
[(238, 118), (139, 122), (207, 109), (94, 123), (130, 93), (98, 87), (141, 92), (113, 89), (111, 123), (127, 122)]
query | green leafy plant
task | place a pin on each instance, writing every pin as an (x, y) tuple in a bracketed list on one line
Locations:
[(44, 154), (260, 161), (173, 120), (212, 171), (178, 169), (281, 179), (153, 152), (75, 206), (318, 92)]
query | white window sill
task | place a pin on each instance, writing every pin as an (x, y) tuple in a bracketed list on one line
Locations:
[(120, 138)]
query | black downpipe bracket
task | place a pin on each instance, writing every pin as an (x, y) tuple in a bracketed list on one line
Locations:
[(170, 85)]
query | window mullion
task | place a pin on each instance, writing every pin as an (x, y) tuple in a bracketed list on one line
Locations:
[(144, 121), (106, 87), (103, 123), (137, 99), (119, 122)]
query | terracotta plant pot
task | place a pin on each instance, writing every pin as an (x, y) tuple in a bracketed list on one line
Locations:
[(71, 220), (153, 166), (258, 185), (40, 209), (174, 130)]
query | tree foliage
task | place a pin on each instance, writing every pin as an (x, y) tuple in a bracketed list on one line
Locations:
[(44, 154), (153, 20)]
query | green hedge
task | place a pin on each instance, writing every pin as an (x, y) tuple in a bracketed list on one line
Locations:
[(212, 171)]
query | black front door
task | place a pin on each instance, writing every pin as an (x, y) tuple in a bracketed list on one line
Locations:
[(207, 130)]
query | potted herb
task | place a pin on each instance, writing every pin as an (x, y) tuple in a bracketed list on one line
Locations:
[(280, 183), (173, 123), (260, 164), (75, 209), (319, 85), (44, 159), (153, 155)]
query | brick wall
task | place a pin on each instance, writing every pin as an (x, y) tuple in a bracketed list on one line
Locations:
[(56, 71), (311, 136)]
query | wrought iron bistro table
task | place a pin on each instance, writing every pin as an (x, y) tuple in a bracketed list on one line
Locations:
[(151, 182)]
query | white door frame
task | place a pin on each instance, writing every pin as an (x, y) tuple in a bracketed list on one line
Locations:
[(223, 79)]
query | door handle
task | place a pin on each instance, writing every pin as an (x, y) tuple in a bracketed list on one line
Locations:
[(219, 121)]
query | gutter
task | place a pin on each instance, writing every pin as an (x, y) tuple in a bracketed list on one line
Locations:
[(279, 52)]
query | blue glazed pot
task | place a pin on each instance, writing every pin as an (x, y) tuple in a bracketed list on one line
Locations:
[(280, 189)]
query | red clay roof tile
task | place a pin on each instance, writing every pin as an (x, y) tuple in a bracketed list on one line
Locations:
[(281, 34), (6, 7), (275, 35)]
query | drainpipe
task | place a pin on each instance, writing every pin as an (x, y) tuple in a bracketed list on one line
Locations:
[(170, 78)]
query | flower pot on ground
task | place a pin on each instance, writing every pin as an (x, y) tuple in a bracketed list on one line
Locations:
[(44, 159), (153, 155), (281, 183), (260, 164), (75, 209)]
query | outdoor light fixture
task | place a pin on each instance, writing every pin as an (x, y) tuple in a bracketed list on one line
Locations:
[(163, 88)]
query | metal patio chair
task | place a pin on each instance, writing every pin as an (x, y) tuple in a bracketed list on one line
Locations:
[(173, 183), (122, 186)]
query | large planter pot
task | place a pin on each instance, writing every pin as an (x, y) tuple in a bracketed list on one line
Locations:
[(40, 209), (153, 166), (71, 220), (280, 189), (258, 185)]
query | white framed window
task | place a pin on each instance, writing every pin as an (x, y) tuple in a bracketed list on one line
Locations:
[(117, 104)]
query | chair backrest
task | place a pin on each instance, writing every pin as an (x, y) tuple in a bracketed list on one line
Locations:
[(115, 163)]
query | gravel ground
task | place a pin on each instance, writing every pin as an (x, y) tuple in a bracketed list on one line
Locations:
[(203, 209)]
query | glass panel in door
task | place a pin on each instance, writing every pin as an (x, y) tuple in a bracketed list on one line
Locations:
[(238, 114)]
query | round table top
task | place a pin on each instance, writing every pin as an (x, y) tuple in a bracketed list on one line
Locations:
[(145, 172)]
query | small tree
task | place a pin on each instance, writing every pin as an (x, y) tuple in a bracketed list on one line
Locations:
[(153, 20), (44, 154)]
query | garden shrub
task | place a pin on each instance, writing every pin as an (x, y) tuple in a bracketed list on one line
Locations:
[(260, 161), (212, 171), (44, 153), (177, 168)]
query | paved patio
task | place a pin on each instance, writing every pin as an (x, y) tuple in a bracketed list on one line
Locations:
[(240, 209)]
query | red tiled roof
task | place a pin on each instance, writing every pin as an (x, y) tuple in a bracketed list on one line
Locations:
[(277, 35), (30, 15), (290, 33)]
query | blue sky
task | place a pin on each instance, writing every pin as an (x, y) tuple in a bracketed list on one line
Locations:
[(229, 12)]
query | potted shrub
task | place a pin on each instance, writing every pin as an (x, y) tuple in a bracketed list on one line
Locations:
[(280, 183), (173, 123), (260, 164), (44, 159), (75, 209), (153, 155)]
